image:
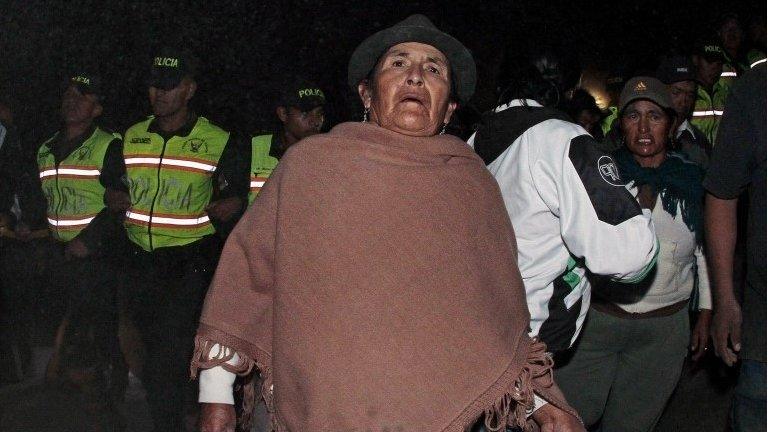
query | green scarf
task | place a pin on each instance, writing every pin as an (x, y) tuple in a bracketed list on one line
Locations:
[(678, 182)]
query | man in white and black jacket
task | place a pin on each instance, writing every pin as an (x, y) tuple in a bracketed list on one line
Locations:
[(569, 208)]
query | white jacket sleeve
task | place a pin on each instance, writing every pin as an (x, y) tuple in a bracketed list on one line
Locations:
[(600, 221), (216, 383), (705, 294)]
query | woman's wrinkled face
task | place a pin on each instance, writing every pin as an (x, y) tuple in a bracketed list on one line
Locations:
[(410, 90), (646, 129)]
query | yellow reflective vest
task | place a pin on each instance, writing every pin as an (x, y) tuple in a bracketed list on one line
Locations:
[(262, 164), (170, 183), (755, 57), (72, 188), (709, 108), (605, 125)]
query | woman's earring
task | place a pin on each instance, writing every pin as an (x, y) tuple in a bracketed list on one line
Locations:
[(442, 131), (365, 115)]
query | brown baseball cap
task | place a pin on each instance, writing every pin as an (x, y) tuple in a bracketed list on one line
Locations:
[(648, 88)]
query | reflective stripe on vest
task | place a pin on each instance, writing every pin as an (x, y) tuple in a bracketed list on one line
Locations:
[(757, 63), (709, 113), (170, 183), (72, 189), (258, 182), (170, 163), (168, 221), (262, 164), (71, 172), (71, 223)]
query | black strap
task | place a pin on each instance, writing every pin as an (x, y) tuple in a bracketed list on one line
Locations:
[(498, 131)]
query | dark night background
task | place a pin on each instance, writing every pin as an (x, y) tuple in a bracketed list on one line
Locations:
[(246, 47)]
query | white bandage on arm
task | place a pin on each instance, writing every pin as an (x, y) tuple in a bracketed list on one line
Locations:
[(537, 403), (216, 383)]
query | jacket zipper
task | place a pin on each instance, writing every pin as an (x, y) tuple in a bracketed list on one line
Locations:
[(157, 192), (58, 192)]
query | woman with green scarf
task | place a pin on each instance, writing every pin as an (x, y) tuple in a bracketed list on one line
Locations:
[(637, 336)]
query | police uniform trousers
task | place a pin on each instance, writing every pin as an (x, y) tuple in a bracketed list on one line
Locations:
[(90, 338), (166, 289)]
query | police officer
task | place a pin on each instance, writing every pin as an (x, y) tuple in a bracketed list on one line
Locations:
[(713, 88), (74, 180), (301, 113), (182, 171), (677, 72)]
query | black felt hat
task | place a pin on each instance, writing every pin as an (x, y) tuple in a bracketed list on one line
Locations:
[(416, 28)]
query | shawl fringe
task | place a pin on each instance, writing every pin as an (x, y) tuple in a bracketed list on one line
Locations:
[(513, 407), (510, 409), (204, 357)]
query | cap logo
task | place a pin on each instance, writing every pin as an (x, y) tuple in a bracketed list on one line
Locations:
[(682, 69), (82, 79), (639, 87), (310, 93), (166, 62)]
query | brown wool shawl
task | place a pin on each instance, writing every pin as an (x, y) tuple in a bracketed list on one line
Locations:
[(373, 283)]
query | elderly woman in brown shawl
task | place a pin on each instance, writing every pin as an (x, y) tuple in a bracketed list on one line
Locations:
[(373, 283)]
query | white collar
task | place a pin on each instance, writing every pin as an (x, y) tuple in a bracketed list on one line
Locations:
[(684, 126), (516, 103)]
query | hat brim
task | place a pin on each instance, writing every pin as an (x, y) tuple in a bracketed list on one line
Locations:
[(712, 58), (668, 109), (84, 89), (675, 78), (165, 80), (367, 54), (307, 104)]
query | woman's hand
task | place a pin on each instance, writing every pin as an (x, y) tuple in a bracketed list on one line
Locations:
[(553, 419), (726, 327), (700, 334), (224, 209), (216, 417)]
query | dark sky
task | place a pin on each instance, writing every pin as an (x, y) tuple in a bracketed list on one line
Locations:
[(247, 46)]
